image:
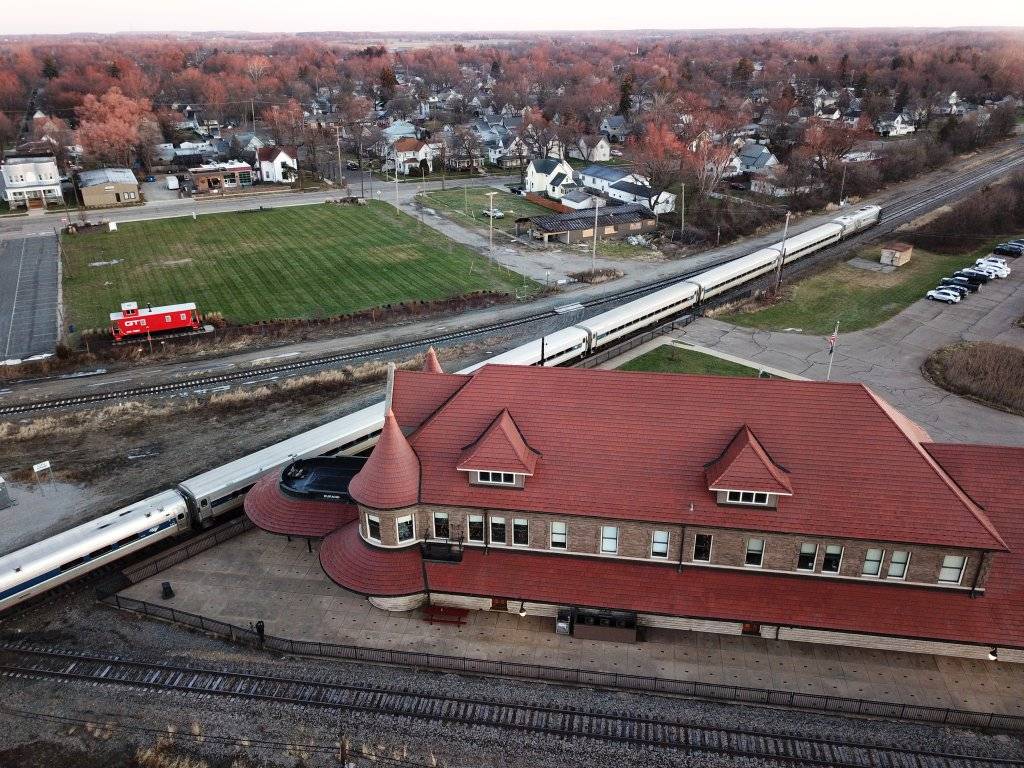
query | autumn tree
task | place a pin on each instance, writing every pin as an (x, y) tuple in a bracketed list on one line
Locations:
[(656, 154), (828, 144), (109, 126), (7, 130)]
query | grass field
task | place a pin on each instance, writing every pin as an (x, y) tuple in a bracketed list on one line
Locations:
[(857, 298), (304, 261), (671, 359), (453, 204)]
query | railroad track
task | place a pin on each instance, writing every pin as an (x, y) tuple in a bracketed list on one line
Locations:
[(892, 214), (24, 660)]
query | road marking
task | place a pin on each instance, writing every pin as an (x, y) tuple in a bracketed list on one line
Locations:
[(17, 285)]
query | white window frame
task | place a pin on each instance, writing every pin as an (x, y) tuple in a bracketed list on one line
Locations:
[(605, 537), (500, 520), (880, 561), (814, 560), (517, 522), (747, 552), (666, 543), (839, 566), (564, 534), (736, 497), (486, 477), (398, 528), (711, 548), (960, 576), (369, 533), (905, 564), (483, 528), (447, 520)]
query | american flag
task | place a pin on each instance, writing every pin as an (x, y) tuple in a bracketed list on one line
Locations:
[(832, 342)]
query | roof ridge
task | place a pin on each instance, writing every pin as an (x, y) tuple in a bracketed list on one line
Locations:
[(972, 506)]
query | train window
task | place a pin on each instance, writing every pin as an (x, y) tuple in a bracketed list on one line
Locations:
[(100, 552), (125, 541), (126, 512), (71, 564)]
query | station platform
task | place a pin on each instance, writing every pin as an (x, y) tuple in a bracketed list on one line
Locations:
[(259, 576)]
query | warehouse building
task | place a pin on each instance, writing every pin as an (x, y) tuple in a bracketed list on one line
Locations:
[(576, 226), (108, 187)]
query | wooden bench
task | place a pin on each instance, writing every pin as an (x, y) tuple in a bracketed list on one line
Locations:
[(440, 614)]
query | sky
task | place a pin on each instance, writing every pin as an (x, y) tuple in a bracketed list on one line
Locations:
[(67, 16)]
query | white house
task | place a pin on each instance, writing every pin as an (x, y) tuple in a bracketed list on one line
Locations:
[(549, 176), (755, 157), (30, 181), (277, 165), (640, 192), (595, 149), (615, 128), (895, 124), (410, 155), (398, 130)]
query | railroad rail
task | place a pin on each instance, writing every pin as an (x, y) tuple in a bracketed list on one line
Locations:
[(24, 660), (892, 214)]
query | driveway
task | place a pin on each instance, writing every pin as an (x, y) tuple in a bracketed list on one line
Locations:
[(28, 296), (888, 358)]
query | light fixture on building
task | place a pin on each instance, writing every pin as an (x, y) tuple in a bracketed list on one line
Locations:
[(522, 609), (993, 655)]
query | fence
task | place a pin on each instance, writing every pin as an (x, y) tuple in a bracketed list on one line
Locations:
[(693, 689), (633, 342)]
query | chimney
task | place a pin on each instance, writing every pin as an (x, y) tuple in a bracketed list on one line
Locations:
[(389, 393)]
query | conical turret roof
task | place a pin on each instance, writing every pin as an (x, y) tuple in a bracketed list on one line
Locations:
[(390, 479)]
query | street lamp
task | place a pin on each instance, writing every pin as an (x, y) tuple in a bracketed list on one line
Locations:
[(490, 215)]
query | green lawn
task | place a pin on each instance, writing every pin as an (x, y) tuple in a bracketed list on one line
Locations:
[(671, 359), (857, 298), (305, 261), (454, 203)]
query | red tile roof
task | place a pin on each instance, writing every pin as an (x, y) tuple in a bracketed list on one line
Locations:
[(276, 512), (611, 439), (409, 144), (500, 447), (391, 476), (430, 362), (353, 564), (418, 394), (745, 466)]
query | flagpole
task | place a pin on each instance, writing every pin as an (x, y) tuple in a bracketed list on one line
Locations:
[(832, 352)]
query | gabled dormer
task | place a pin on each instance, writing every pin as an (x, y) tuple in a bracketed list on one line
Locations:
[(500, 456), (746, 475)]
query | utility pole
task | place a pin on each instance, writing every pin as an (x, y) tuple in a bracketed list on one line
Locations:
[(842, 185), (682, 211), (490, 210), (832, 351), (337, 145), (782, 256), (593, 252), (396, 180), (252, 106)]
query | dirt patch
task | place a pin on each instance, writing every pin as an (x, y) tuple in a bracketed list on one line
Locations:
[(174, 262), (988, 373)]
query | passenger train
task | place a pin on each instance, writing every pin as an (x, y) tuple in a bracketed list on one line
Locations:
[(199, 501)]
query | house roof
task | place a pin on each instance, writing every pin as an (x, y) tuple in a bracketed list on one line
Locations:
[(391, 476), (746, 466), (557, 179), (545, 165), (755, 155), (857, 467), (102, 176), (575, 221), (632, 188), (605, 172), (501, 447), (409, 144), (269, 154), (615, 121)]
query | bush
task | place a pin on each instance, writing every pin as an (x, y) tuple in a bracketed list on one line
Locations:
[(996, 211), (992, 374)]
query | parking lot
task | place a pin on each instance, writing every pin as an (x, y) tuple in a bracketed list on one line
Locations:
[(28, 296)]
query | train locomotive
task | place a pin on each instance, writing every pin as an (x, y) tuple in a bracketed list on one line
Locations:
[(199, 501)]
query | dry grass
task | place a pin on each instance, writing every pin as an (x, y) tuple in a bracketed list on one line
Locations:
[(989, 373), (131, 416)]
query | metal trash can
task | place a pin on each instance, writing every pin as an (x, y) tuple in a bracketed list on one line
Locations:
[(5, 496), (563, 622)]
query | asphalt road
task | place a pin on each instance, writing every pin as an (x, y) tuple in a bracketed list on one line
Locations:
[(28, 296)]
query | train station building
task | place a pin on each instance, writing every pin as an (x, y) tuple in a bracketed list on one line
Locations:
[(612, 501)]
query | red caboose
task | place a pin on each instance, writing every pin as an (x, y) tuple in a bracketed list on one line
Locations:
[(132, 321)]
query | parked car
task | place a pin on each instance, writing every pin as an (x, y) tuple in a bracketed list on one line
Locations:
[(151, 178), (1008, 249), (962, 282), (992, 260), (974, 275), (995, 264), (616, 152), (352, 165), (493, 213), (993, 270), (959, 290), (946, 295)]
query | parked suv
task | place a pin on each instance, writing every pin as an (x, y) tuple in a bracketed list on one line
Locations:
[(961, 282), (974, 275), (947, 295), (959, 290), (1013, 249)]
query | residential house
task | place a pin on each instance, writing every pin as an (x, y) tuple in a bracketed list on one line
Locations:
[(755, 157), (411, 156), (601, 177), (108, 187), (549, 176), (578, 199), (277, 165), (894, 124), (30, 181), (640, 192), (771, 181), (615, 128), (399, 129), (545, 491), (594, 149)]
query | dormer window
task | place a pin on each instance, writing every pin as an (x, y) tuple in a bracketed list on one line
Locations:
[(496, 478), (500, 456), (754, 498)]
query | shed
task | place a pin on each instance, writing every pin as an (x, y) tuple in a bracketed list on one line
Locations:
[(896, 254)]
